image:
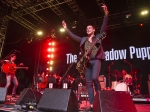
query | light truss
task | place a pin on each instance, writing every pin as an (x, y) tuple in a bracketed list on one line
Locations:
[(130, 4), (19, 19), (58, 10), (3, 30), (40, 7), (76, 9), (118, 20), (35, 16), (53, 4)]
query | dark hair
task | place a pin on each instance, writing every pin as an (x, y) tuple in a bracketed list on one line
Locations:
[(92, 26)]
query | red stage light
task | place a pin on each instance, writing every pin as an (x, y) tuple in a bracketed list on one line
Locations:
[(141, 24), (49, 43)]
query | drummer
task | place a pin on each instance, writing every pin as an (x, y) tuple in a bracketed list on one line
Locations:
[(127, 78)]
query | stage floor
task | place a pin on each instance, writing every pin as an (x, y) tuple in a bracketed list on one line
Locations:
[(9, 106)]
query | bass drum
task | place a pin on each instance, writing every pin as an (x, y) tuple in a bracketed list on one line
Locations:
[(113, 84), (122, 87)]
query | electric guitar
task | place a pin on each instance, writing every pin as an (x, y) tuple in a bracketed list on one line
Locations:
[(11, 68), (82, 63)]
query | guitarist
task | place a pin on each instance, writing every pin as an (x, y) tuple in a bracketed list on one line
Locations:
[(10, 75), (96, 56)]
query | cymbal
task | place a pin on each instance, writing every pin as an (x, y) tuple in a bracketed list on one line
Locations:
[(135, 71), (116, 73)]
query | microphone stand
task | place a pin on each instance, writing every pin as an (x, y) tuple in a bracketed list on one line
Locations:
[(8, 54), (131, 66), (66, 71), (109, 73)]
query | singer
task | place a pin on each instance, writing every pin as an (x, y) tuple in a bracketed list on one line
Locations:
[(97, 55), (9, 67)]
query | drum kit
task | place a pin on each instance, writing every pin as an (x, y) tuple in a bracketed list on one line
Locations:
[(130, 82)]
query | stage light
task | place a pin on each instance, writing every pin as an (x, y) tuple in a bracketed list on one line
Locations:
[(141, 24), (128, 15), (144, 12), (29, 40), (48, 56), (52, 56), (49, 49), (52, 49), (49, 43), (50, 68), (53, 43), (39, 33), (62, 30), (51, 62)]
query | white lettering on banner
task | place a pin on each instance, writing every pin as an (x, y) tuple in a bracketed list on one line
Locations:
[(132, 51), (138, 53), (142, 53), (71, 58), (148, 52), (115, 54)]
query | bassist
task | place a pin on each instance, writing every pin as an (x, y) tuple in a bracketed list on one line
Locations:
[(96, 55)]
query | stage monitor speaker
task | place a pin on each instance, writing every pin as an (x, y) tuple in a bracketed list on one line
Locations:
[(29, 95), (3, 93), (113, 101), (58, 100)]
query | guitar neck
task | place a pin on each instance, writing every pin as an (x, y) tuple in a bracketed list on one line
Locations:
[(21, 67)]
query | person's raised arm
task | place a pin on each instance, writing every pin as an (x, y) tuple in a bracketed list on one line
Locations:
[(105, 21), (73, 36)]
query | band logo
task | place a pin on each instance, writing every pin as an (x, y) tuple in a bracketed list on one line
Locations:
[(133, 52)]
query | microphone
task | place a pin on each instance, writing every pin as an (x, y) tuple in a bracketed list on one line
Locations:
[(16, 51)]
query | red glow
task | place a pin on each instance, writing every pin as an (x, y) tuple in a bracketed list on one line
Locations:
[(49, 49), (49, 43), (141, 24), (48, 56)]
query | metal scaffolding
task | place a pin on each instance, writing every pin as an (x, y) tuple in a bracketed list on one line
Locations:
[(76, 9), (118, 20), (3, 30), (20, 20), (130, 4)]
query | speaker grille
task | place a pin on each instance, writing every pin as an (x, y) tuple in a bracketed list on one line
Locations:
[(58, 100)]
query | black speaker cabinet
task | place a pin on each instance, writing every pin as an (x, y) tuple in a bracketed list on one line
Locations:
[(113, 101), (58, 100), (29, 95), (3, 93)]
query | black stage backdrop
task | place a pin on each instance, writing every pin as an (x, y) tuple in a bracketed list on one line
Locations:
[(126, 48)]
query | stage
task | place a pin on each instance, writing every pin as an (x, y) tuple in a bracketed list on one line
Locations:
[(141, 104)]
